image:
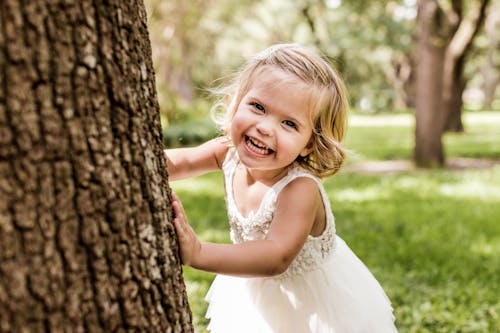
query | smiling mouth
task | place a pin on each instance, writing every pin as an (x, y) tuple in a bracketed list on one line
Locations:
[(257, 147)]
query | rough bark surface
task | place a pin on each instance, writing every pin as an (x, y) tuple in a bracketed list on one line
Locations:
[(85, 239)]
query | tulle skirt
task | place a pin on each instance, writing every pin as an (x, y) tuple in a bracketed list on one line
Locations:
[(341, 297)]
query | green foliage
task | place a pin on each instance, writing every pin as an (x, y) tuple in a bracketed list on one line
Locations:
[(189, 133), (195, 43), (372, 44), (431, 238), (191, 125)]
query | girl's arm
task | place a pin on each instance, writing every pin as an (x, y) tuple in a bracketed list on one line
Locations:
[(190, 162), (293, 219)]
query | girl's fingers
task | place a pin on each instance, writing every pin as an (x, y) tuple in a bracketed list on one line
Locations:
[(177, 208), (179, 220), (176, 204), (186, 235)]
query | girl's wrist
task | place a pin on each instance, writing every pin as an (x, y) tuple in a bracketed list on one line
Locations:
[(194, 259)]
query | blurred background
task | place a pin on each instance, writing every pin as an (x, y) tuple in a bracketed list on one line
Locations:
[(430, 235), (372, 43)]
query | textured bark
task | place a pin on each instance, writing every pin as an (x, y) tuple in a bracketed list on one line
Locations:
[(85, 239)]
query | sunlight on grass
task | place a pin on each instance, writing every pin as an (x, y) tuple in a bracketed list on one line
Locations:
[(217, 236), (481, 117), (197, 284), (490, 248), (398, 120), (465, 185), (471, 189), (360, 195), (212, 185), (391, 137)]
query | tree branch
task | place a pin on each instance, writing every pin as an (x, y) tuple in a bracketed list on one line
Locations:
[(468, 29)]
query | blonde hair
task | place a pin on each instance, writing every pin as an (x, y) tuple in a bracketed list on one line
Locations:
[(328, 101)]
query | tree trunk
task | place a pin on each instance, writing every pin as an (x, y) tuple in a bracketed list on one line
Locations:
[(401, 76), (452, 102), (455, 55), (491, 71), (443, 41), (431, 47), (85, 239)]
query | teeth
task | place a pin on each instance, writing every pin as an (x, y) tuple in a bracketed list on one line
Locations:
[(258, 147), (258, 144)]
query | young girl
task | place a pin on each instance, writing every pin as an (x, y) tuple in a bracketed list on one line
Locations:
[(287, 270)]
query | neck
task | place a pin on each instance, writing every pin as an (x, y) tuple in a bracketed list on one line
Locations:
[(267, 177)]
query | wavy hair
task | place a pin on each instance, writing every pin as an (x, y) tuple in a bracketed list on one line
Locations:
[(328, 101)]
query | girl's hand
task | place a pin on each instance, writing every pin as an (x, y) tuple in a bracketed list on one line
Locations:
[(189, 243)]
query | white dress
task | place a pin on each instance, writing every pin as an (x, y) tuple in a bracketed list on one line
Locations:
[(326, 289)]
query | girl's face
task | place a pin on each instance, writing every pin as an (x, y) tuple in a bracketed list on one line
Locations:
[(271, 126)]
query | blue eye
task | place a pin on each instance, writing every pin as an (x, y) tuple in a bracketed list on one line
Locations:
[(290, 123)]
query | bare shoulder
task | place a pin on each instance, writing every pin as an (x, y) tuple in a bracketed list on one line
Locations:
[(301, 183), (297, 208), (300, 193), (220, 147)]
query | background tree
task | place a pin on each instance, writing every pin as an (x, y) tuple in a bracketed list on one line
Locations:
[(464, 26), (444, 37), (85, 239), (372, 43), (491, 70), (185, 36)]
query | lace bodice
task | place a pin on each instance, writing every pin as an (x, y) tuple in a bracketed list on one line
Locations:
[(256, 224)]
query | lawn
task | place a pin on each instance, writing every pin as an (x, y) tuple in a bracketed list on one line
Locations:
[(431, 237)]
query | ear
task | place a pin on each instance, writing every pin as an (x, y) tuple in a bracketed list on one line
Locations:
[(308, 148)]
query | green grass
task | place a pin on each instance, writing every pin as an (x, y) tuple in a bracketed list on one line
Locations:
[(431, 237), (390, 137)]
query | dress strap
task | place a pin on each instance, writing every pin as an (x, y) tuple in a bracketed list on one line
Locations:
[(228, 168), (293, 173), (230, 162), (231, 158), (298, 172)]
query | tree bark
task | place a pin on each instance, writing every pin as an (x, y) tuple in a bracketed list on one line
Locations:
[(86, 243), (455, 55), (443, 41), (431, 47), (491, 71)]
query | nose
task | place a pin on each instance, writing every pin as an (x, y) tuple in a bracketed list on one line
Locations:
[(265, 127)]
